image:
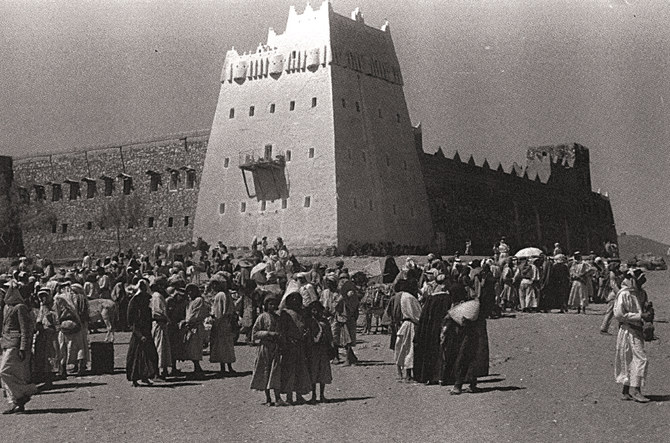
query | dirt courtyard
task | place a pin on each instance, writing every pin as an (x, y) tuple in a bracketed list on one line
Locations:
[(552, 380)]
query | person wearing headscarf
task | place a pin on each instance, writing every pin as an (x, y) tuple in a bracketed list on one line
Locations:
[(390, 270), (176, 304), (294, 376), (142, 357), (196, 312), (159, 330), (120, 297), (222, 345), (16, 342), (320, 347), (427, 352), (267, 367), (528, 275), (630, 360), (330, 299), (410, 309), (69, 326), (393, 311), (78, 297), (47, 349), (615, 278), (579, 292)]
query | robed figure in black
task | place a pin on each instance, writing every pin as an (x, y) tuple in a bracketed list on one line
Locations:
[(427, 350), (465, 347)]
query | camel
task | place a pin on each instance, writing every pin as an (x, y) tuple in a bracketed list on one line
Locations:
[(103, 310), (172, 250)]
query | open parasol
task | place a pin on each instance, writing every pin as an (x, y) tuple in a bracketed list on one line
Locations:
[(529, 252)]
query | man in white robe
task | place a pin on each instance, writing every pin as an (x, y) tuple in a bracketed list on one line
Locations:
[(630, 361)]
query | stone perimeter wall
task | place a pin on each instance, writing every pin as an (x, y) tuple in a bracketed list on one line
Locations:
[(467, 201), (71, 226)]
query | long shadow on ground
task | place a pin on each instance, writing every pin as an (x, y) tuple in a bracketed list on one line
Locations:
[(55, 411), (374, 363), (345, 399), (58, 385), (498, 388), (658, 398), (169, 385)]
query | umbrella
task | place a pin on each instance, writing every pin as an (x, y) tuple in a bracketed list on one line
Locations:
[(258, 268), (529, 252)]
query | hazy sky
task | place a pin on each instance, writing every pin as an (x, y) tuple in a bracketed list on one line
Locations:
[(484, 77)]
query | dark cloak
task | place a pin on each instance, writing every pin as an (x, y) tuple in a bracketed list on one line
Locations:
[(427, 350), (142, 358)]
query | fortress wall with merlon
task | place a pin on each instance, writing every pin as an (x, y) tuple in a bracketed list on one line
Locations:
[(134, 160)]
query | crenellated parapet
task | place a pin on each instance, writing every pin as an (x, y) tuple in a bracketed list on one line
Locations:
[(306, 46)]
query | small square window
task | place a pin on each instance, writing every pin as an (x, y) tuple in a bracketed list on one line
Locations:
[(56, 193), (231, 114), (64, 228), (313, 102), (89, 226), (155, 180), (109, 186), (226, 162), (308, 201), (75, 191), (291, 105), (243, 207), (174, 180), (127, 185), (190, 179), (263, 205), (272, 108), (54, 228), (311, 152), (288, 155), (131, 225), (186, 221), (358, 107), (170, 222), (284, 203), (251, 111), (344, 103), (222, 208), (150, 222)]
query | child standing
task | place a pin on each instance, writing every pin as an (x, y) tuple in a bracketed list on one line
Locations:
[(320, 352), (267, 361)]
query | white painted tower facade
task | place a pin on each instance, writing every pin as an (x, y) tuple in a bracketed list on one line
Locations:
[(311, 141)]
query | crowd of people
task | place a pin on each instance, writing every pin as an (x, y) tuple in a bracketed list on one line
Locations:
[(299, 315)]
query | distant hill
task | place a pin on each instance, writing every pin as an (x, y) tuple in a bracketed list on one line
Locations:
[(629, 245)]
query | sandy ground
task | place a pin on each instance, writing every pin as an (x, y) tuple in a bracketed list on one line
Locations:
[(552, 380)]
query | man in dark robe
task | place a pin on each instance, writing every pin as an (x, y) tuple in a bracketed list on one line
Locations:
[(465, 347), (427, 351), (393, 311)]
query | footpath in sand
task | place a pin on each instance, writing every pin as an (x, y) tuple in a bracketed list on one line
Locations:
[(552, 380)]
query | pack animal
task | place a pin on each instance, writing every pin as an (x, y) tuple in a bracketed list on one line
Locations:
[(173, 250), (102, 310)]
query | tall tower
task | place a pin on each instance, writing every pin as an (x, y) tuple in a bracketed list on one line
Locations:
[(312, 142)]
